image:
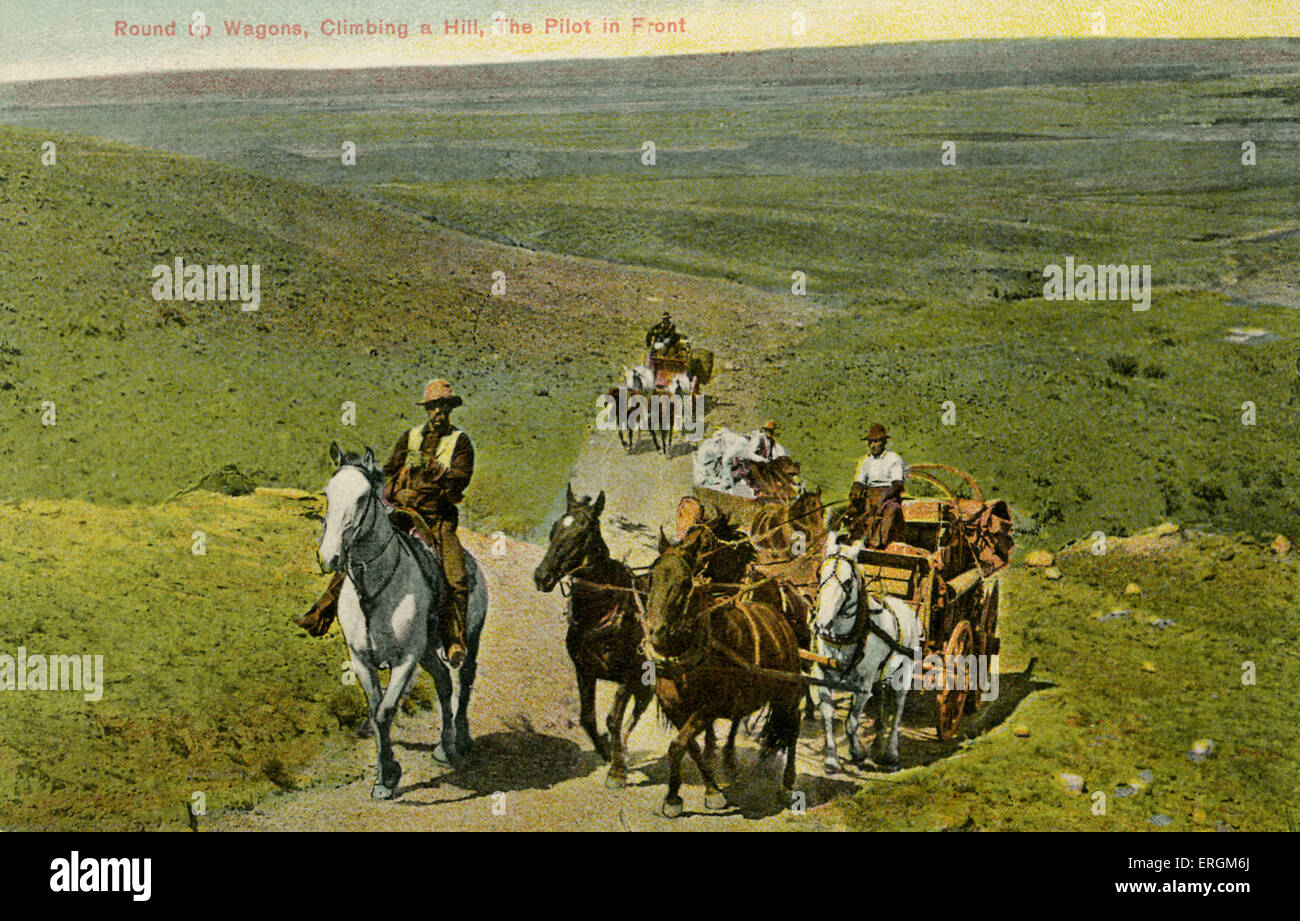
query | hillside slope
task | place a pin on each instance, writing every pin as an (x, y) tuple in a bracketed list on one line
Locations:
[(358, 304)]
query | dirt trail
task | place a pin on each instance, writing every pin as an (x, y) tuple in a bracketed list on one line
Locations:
[(528, 744)]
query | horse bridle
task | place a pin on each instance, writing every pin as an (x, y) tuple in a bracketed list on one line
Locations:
[(855, 581), (863, 622), (583, 561), (701, 622), (353, 530)]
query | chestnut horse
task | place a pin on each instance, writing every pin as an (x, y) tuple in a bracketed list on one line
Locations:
[(717, 659)]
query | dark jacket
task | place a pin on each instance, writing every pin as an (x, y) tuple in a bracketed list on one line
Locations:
[(430, 488), (666, 330)]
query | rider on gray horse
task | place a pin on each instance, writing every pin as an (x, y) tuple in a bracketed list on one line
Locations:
[(428, 472)]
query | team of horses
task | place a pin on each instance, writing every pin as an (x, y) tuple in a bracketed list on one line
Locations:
[(713, 629), (640, 405)]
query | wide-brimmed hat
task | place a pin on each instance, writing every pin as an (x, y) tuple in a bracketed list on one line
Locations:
[(877, 431), (439, 391), (769, 425)]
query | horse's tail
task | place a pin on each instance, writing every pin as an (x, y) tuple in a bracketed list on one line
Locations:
[(781, 731)]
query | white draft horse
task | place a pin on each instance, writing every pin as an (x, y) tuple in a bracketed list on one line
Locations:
[(871, 640)]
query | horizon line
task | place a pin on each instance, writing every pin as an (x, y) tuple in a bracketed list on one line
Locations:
[(547, 58)]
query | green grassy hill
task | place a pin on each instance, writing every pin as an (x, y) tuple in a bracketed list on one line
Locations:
[(208, 687), (1085, 416), (356, 306)]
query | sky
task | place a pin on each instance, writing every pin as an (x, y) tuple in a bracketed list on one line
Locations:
[(41, 39)]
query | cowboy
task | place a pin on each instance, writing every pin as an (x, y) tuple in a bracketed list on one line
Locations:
[(764, 445), (428, 472), (663, 337), (875, 498)]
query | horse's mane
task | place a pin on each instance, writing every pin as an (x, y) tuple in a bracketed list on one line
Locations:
[(374, 474)]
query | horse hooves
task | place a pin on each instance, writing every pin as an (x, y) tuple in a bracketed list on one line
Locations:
[(859, 759), (715, 801), (615, 781), (383, 790), (888, 766), (365, 731), (440, 755), (672, 807), (464, 745), (831, 767)]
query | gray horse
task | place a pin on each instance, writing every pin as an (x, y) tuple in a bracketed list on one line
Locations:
[(389, 609)]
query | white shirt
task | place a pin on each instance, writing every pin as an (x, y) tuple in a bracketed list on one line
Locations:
[(882, 470), (758, 441)]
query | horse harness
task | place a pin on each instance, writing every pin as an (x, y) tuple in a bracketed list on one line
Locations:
[(572, 575), (698, 653), (864, 624), (357, 569)]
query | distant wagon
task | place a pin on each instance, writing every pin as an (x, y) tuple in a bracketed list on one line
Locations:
[(776, 484), (695, 364)]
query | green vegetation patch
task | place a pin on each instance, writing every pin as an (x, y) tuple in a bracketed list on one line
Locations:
[(1126, 686)]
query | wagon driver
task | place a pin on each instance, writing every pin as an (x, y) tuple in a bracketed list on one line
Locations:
[(875, 498)]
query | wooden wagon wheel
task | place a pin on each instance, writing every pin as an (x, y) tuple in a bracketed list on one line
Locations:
[(952, 701)]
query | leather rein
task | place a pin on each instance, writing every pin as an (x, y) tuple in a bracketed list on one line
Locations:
[(357, 569)]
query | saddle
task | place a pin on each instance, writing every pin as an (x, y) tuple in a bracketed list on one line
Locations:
[(426, 557), (413, 529)]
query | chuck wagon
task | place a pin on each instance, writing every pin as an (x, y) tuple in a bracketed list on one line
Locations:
[(945, 567)]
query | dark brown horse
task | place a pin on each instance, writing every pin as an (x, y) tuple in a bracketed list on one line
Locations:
[(729, 559), (604, 637), (717, 659)]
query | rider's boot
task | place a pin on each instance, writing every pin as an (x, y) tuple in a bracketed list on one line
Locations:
[(317, 619), (453, 621)]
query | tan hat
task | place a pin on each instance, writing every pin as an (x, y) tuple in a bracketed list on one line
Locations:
[(877, 431), (769, 425), (438, 391)]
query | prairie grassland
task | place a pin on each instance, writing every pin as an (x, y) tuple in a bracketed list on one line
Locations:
[(924, 289)]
